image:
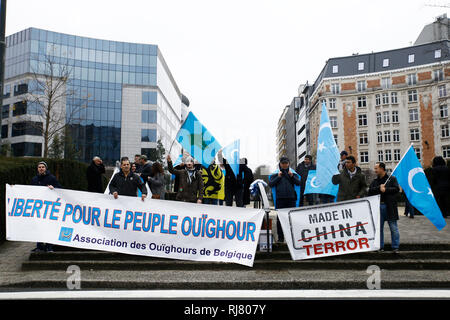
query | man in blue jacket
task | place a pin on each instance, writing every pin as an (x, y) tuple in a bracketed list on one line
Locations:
[(285, 184), (44, 178)]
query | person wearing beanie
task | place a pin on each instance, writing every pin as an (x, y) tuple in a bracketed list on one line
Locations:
[(191, 185)]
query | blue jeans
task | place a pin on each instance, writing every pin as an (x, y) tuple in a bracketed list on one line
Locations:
[(210, 201), (395, 234)]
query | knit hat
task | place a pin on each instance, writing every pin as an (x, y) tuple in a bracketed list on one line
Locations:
[(45, 164)]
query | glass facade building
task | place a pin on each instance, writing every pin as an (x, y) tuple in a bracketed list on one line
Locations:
[(100, 71)]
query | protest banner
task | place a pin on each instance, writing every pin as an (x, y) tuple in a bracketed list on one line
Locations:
[(158, 228), (332, 229)]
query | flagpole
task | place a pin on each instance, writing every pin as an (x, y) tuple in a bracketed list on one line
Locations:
[(404, 154)]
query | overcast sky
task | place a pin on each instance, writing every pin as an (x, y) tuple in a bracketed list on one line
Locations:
[(238, 62)]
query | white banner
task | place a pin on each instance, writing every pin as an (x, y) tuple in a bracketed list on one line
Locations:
[(332, 229), (153, 227)]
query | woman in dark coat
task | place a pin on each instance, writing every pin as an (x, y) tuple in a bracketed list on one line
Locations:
[(440, 175)]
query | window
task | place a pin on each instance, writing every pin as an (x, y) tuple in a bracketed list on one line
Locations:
[(385, 98), (26, 128), (5, 111), (335, 88), (335, 136), (412, 95), (333, 122), (396, 154), (360, 66), (386, 117), (6, 91), (443, 111), (364, 138), (148, 135), (377, 99), (437, 53), (417, 150), (388, 155), (361, 86), (411, 79), (4, 131), (362, 120), (379, 136), (149, 116), (149, 97), (380, 156), (386, 83), (335, 69), (413, 115), (396, 135), (446, 151), (362, 102), (414, 134), (445, 133), (395, 116), (442, 91), (26, 149), (394, 99), (438, 75), (410, 58), (387, 136), (332, 103), (385, 63), (19, 108), (378, 117), (364, 157)]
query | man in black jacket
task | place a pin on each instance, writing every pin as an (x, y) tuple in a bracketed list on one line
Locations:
[(303, 169), (94, 175), (44, 178), (388, 203), (126, 183)]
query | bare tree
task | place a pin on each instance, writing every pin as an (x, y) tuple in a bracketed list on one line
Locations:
[(48, 95)]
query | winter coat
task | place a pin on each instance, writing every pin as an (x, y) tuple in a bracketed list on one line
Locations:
[(387, 197), (303, 170), (440, 180), (157, 184), (350, 188), (189, 189), (94, 177), (46, 179), (284, 185), (127, 186)]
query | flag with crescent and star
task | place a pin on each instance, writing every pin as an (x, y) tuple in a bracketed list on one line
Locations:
[(232, 153), (327, 151), (412, 179), (197, 140), (311, 186)]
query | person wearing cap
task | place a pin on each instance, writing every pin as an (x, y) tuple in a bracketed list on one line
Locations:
[(44, 178), (285, 184), (190, 188), (341, 164)]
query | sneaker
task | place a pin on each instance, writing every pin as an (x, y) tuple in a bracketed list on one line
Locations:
[(395, 251), (381, 250)]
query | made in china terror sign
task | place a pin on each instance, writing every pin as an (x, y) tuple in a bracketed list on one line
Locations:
[(332, 229)]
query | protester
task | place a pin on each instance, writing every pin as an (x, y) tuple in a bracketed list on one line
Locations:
[(351, 181), (190, 188), (388, 188), (156, 181), (247, 180), (137, 162), (44, 178), (409, 209), (303, 169), (94, 175), (126, 183), (341, 165), (284, 192), (133, 167), (214, 184), (440, 176), (234, 185), (146, 168)]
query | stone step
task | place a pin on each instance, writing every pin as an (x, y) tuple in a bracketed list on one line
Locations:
[(312, 264), (232, 280), (275, 255)]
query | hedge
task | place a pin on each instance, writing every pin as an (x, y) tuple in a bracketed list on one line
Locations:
[(71, 174)]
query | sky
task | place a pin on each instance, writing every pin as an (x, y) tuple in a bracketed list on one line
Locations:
[(238, 62)]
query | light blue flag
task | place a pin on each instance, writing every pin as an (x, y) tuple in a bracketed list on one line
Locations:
[(312, 186), (232, 153), (197, 140), (327, 151), (412, 179)]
